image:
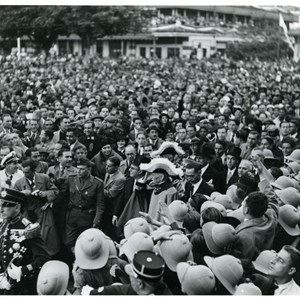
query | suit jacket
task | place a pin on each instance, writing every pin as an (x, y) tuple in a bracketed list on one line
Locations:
[(124, 196), (256, 235), (211, 174), (223, 185), (113, 185), (42, 182), (204, 188)]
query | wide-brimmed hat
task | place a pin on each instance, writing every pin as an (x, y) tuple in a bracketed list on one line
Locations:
[(136, 225), (91, 250), (218, 236), (136, 242), (176, 249), (248, 289), (263, 261), (289, 219), (195, 280), (282, 182), (294, 156), (228, 269), (161, 164), (168, 147), (289, 195), (53, 278)]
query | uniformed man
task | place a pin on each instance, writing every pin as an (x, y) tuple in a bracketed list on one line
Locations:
[(22, 250), (84, 194), (145, 272), (11, 173)]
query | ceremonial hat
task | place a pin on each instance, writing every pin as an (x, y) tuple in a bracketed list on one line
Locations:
[(147, 265), (10, 157), (10, 197)]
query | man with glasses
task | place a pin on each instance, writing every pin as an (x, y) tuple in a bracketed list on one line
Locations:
[(11, 173), (83, 194)]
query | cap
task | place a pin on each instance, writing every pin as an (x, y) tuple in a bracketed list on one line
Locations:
[(147, 265), (175, 250), (10, 197), (248, 289), (53, 278), (228, 269), (91, 250), (263, 261), (195, 280), (289, 219), (96, 116), (218, 236), (136, 225), (91, 101), (110, 119), (84, 162), (10, 157), (136, 242)]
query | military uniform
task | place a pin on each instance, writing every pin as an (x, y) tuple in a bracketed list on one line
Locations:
[(27, 249), (85, 206), (146, 265)]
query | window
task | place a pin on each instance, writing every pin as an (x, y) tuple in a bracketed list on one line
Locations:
[(143, 51)]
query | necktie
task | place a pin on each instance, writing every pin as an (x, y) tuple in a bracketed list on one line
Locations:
[(228, 176), (107, 178), (62, 171)]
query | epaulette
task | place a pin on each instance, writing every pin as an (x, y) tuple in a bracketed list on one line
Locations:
[(31, 230)]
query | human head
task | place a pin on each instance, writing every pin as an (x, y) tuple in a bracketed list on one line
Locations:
[(252, 138), (255, 205), (130, 153), (112, 165), (6, 121), (244, 167), (192, 174), (285, 264), (64, 123), (221, 133), (64, 157)]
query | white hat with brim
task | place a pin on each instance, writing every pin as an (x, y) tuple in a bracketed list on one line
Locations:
[(175, 250), (166, 145), (91, 250), (293, 231), (162, 164), (210, 263), (136, 242), (53, 278)]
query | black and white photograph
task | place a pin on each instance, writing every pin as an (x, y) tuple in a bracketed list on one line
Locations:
[(149, 149)]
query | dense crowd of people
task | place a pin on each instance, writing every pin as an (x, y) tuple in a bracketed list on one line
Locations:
[(147, 176)]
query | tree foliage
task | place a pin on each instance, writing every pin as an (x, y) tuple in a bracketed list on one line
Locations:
[(264, 44), (43, 24)]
